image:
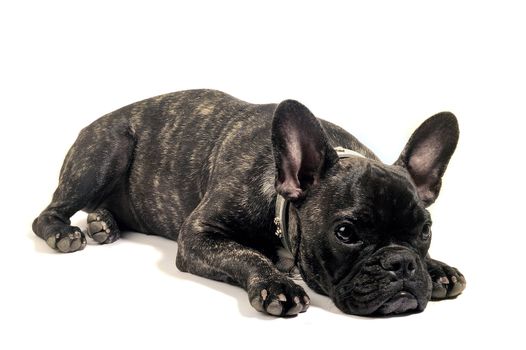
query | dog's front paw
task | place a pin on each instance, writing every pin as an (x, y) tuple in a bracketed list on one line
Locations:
[(278, 296), (67, 239), (448, 282)]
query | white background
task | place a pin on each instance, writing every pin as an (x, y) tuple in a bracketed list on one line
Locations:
[(378, 70)]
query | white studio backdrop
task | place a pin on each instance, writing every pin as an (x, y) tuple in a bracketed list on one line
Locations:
[(376, 68)]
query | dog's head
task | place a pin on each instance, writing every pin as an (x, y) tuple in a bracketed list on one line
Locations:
[(360, 228)]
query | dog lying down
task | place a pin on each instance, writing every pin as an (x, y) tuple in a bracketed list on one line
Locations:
[(236, 184)]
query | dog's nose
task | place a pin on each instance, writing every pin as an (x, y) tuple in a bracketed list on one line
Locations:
[(401, 264)]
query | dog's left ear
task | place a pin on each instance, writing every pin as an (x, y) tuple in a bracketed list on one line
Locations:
[(302, 152), (427, 154)]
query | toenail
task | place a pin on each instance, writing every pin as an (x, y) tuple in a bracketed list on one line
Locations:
[(443, 280)]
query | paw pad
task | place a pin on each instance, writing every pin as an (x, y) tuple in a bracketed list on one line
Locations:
[(102, 227), (448, 282), (71, 239)]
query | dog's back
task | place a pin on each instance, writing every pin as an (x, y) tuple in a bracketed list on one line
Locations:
[(186, 143)]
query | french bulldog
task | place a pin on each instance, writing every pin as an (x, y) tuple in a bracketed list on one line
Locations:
[(234, 183)]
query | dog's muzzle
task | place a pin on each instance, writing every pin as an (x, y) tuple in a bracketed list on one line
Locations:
[(394, 280)]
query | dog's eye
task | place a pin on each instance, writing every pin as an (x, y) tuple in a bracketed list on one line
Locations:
[(426, 231), (346, 234)]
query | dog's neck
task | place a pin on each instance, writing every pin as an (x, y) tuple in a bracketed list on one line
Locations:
[(281, 216)]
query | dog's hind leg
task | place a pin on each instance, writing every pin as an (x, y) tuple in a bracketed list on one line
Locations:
[(97, 160)]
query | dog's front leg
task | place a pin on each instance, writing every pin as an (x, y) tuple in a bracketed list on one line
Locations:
[(206, 251)]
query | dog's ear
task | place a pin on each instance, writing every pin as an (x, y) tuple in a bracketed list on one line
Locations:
[(301, 149), (427, 154)]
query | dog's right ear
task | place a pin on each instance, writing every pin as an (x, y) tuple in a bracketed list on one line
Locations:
[(427, 154), (301, 150)]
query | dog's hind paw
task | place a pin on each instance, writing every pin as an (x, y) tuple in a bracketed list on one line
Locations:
[(67, 239), (278, 297), (448, 282), (102, 227)]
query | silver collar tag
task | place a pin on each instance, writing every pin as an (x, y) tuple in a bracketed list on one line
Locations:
[(346, 153)]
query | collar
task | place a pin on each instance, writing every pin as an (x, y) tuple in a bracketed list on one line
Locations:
[(282, 205)]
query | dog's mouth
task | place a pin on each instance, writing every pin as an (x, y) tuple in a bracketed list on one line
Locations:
[(402, 302), (397, 301)]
